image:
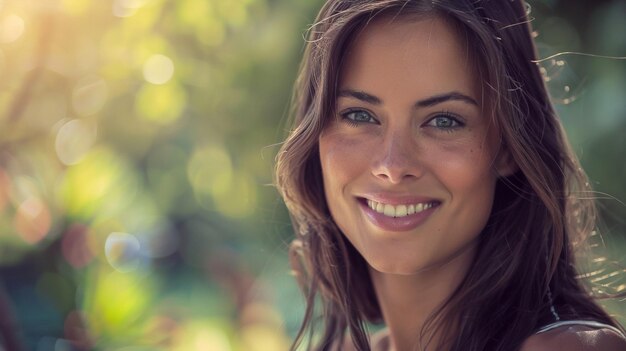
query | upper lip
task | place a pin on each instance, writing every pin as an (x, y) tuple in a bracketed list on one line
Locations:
[(398, 199)]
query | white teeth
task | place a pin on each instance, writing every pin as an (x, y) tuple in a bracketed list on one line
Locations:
[(419, 207), (380, 207), (390, 211), (400, 210)]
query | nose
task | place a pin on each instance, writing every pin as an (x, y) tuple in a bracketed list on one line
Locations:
[(397, 159)]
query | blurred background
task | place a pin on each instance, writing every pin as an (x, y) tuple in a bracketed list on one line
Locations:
[(137, 140)]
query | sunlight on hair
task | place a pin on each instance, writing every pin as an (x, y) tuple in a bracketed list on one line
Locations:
[(560, 78), (551, 57)]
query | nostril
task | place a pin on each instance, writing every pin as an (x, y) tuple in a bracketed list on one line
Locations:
[(396, 159), (396, 173)]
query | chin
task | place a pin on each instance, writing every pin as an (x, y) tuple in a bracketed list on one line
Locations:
[(395, 267)]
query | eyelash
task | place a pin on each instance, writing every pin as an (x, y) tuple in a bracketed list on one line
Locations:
[(456, 121), (354, 123)]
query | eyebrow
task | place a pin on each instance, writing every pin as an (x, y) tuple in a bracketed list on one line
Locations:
[(430, 101)]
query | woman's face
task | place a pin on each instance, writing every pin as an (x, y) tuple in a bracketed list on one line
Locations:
[(409, 162)]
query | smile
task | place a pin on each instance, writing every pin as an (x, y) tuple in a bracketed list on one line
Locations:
[(398, 210), (396, 214)]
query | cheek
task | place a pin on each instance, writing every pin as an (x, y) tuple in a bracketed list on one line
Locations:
[(342, 159), (463, 161), (343, 163), (469, 177)]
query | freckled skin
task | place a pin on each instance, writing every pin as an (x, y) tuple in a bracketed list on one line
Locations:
[(403, 151)]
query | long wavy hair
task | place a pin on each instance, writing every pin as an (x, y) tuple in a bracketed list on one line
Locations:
[(523, 274)]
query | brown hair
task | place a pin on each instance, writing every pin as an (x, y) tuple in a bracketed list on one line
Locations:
[(523, 274)]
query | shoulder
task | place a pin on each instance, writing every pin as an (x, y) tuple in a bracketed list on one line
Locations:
[(576, 338)]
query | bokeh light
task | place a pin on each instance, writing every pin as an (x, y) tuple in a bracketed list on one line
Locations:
[(123, 252), (75, 246), (114, 303), (160, 103), (32, 220), (136, 147), (218, 185), (201, 335), (126, 8), (160, 243), (74, 139), (158, 69), (11, 28), (101, 183)]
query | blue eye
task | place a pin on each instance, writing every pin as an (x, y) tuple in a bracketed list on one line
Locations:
[(445, 121), (356, 117)]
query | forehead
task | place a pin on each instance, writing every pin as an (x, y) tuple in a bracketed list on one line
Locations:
[(424, 56)]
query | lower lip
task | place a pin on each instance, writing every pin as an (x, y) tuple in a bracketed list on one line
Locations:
[(397, 224)]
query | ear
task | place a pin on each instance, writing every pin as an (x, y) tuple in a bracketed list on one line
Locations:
[(504, 163)]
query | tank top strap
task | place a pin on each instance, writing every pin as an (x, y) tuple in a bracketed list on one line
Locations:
[(592, 324)]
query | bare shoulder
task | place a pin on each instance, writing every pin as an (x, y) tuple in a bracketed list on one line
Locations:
[(576, 338)]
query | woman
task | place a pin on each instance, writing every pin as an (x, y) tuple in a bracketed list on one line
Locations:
[(432, 187)]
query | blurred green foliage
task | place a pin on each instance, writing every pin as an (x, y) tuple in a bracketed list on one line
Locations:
[(136, 149)]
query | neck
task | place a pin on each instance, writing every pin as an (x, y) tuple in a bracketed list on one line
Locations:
[(407, 301)]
